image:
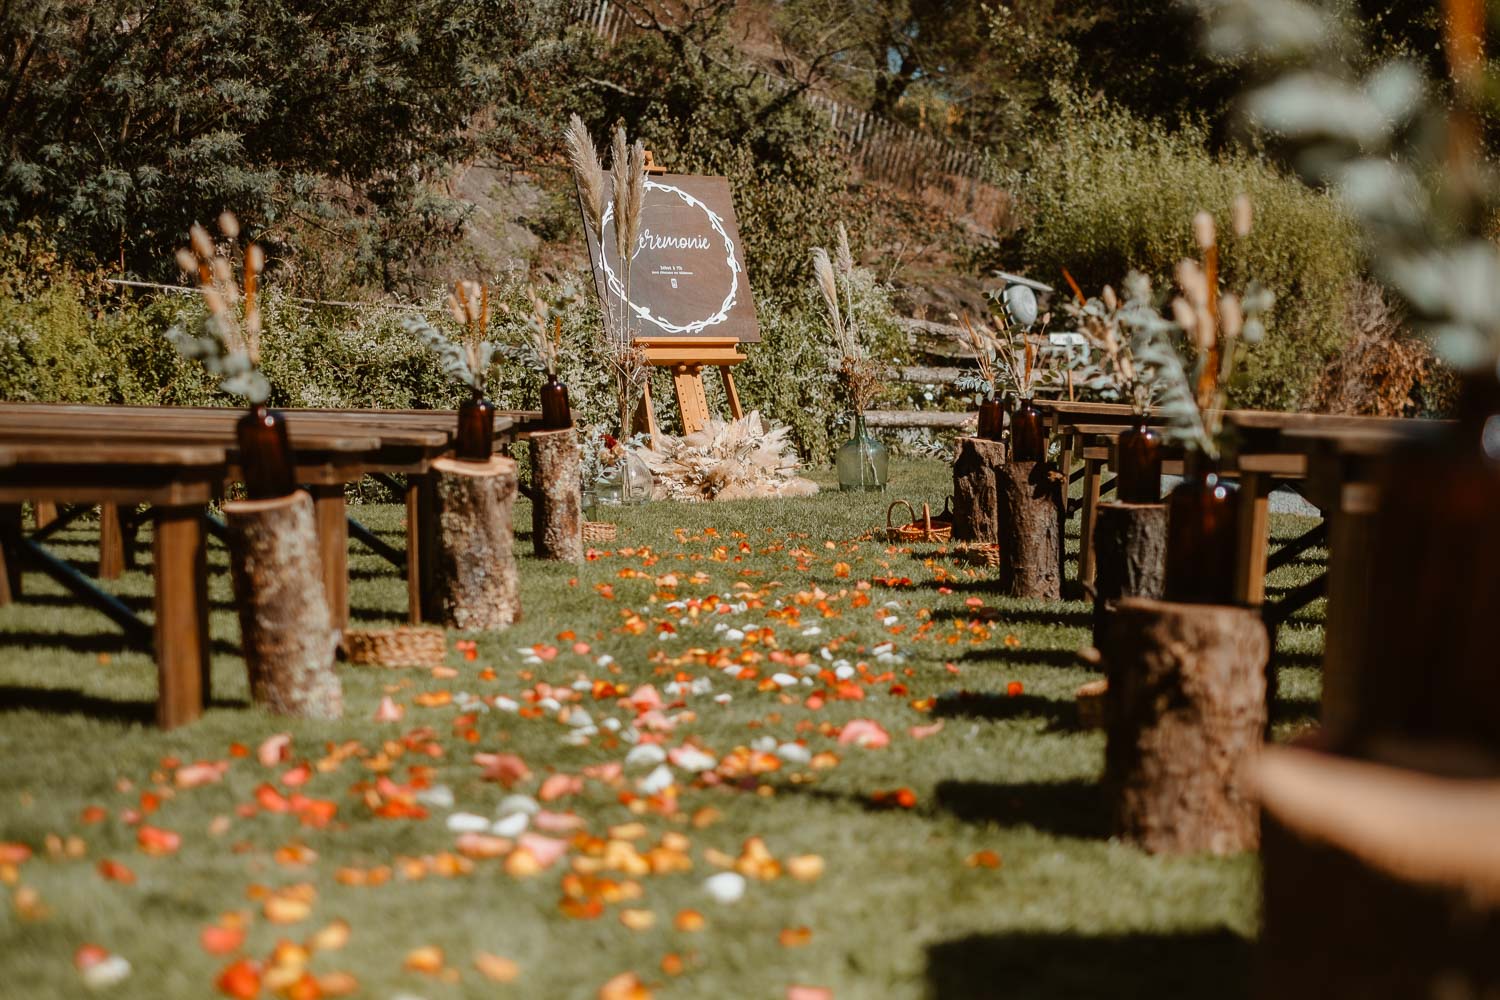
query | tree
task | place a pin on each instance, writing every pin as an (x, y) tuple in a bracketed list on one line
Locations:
[(124, 121)]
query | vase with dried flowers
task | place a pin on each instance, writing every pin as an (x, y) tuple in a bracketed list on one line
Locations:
[(227, 343), (468, 362), (612, 206), (863, 462), (540, 351), (1024, 362), (1202, 540), (1109, 367), (982, 380)]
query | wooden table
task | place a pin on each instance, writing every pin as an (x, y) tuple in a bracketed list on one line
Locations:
[(119, 456), (178, 481)]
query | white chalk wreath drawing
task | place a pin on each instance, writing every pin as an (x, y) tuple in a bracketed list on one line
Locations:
[(617, 289)]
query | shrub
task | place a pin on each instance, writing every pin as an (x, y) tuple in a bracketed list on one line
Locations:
[(1384, 371), (1106, 192)]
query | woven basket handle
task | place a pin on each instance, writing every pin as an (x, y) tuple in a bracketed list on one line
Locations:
[(927, 518), (891, 509)]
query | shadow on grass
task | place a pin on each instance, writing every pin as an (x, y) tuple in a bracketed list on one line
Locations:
[(1052, 615), (93, 642), (1060, 715), (66, 701), (1120, 967), (1021, 656), (1064, 808)]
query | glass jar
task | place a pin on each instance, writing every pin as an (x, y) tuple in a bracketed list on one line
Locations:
[(1423, 643), (1138, 465), (863, 462), (1028, 433), (628, 481), (556, 413), (266, 460), (476, 430), (1202, 536), (991, 419)]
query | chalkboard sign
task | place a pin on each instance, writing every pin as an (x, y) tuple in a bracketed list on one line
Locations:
[(687, 272)]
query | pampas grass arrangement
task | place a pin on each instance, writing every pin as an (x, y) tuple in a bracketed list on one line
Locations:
[(468, 361), (616, 199), (835, 275), (734, 460)]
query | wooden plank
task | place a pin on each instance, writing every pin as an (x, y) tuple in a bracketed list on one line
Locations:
[(1091, 474), (413, 550), (1351, 547), (45, 512), (181, 616), (1253, 525), (111, 542), (730, 392), (920, 418)]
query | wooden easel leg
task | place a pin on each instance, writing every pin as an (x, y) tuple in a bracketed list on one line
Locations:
[(692, 402), (1254, 523), (731, 393), (181, 615), (645, 416)]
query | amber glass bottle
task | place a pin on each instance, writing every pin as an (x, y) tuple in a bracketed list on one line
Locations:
[(1028, 434), (1202, 541), (476, 430), (1423, 634), (991, 419), (1138, 475), (556, 413), (266, 459)]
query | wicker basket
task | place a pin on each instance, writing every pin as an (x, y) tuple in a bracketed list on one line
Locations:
[(985, 554), (600, 531), (403, 646), (928, 529)]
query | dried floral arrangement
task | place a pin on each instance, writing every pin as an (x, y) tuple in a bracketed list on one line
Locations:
[(1114, 330), (740, 459), (227, 342), (983, 379), (1216, 326), (1403, 157), (468, 361), (860, 375), (1024, 359), (617, 200)]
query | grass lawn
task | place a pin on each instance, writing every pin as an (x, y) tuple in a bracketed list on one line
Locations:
[(716, 599)]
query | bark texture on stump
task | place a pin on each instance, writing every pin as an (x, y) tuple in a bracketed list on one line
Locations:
[(1185, 714), (557, 501), (1378, 883), (976, 490), (285, 625), (1030, 526), (477, 585), (1130, 555)]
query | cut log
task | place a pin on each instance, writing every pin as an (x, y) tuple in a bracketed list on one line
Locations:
[(1378, 882), (1185, 713), (976, 490), (477, 585), (285, 625), (557, 495), (1130, 555), (1029, 515)]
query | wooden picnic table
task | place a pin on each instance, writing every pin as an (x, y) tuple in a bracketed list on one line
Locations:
[(118, 456)]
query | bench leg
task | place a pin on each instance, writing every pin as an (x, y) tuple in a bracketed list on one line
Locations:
[(333, 547), (1351, 547), (1092, 469), (45, 512), (10, 552), (421, 548), (111, 542), (182, 661), (1254, 528)]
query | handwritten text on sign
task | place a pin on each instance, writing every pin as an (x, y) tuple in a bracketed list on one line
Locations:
[(687, 269)]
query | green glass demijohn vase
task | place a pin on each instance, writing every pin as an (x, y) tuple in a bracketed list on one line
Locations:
[(863, 462)]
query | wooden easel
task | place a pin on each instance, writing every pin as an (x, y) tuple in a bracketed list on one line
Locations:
[(687, 357)]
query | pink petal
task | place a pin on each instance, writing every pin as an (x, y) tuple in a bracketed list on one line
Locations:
[(865, 733), (645, 698), (558, 785), (922, 732), (546, 850), (607, 773), (808, 993), (654, 719), (389, 711), (201, 773), (505, 768), (275, 749), (557, 822)]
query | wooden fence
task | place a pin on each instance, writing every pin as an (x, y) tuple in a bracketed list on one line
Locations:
[(958, 178)]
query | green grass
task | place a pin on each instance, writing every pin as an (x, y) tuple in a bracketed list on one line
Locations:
[(896, 913)]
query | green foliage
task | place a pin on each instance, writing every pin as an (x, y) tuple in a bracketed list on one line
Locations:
[(1107, 193), (123, 123)]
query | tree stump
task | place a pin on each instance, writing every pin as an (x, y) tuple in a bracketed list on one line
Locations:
[(1029, 512), (557, 501), (1185, 714), (286, 629), (1378, 883), (477, 586), (976, 490), (1130, 546)]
